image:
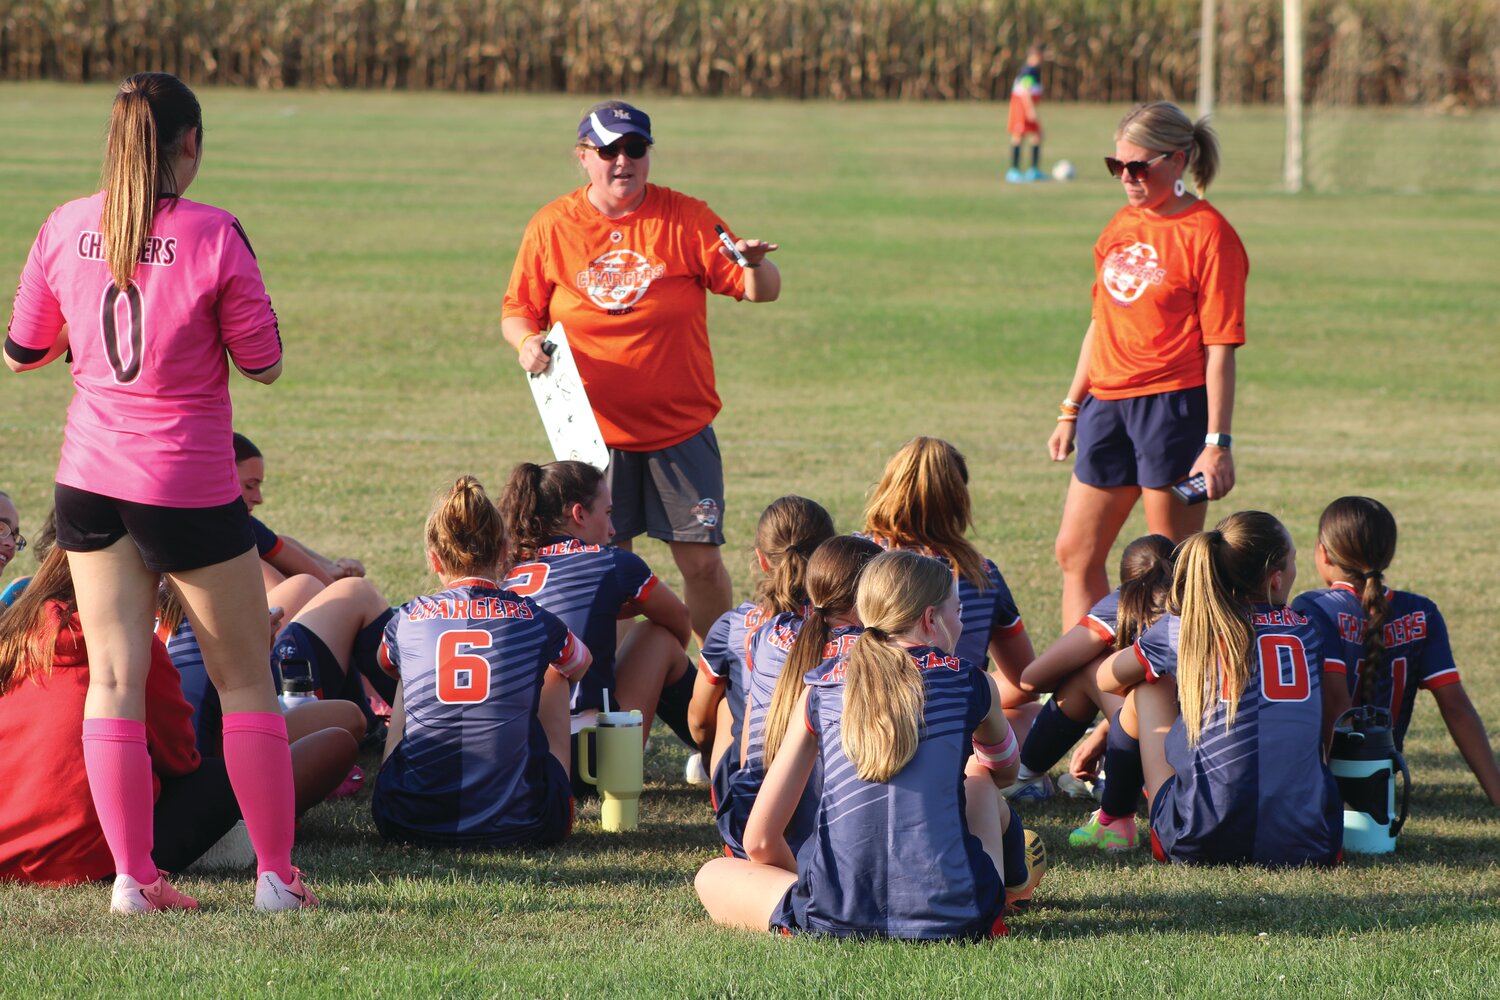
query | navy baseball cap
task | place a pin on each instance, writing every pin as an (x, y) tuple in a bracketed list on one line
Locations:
[(612, 121)]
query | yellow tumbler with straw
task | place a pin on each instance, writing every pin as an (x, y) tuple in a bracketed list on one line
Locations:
[(619, 754)]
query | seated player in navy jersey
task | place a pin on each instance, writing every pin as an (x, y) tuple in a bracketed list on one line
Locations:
[(1069, 668), (479, 746), (790, 529), (282, 556), (907, 841), (557, 517), (1387, 644), (783, 654), (1231, 719), (922, 503)]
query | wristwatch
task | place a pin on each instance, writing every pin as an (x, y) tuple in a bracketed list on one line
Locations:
[(1218, 440)]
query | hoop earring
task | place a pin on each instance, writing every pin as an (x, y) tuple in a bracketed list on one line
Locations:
[(1178, 188)]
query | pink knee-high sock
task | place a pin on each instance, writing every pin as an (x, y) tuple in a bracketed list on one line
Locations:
[(259, 763), (119, 770)]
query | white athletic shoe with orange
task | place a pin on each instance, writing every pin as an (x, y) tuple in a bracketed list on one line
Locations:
[(130, 896), (273, 895)]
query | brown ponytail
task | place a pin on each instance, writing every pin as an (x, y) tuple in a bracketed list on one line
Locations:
[(537, 499), (832, 580), (1358, 535), (787, 534), (465, 531), (1218, 574), (151, 113), (1145, 586)]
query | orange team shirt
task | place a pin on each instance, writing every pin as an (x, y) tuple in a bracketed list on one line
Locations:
[(632, 294), (1164, 289)]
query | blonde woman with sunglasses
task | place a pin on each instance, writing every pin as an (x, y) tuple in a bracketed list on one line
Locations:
[(1152, 397)]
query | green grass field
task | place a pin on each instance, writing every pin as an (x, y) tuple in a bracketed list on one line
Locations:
[(922, 296)]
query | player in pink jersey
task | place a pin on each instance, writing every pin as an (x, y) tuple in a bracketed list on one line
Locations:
[(154, 295)]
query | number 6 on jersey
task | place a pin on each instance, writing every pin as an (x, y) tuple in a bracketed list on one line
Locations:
[(463, 678)]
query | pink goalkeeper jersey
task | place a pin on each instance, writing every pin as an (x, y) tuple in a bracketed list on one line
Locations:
[(151, 420)]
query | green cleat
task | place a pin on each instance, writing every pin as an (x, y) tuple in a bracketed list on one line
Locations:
[(1115, 835)]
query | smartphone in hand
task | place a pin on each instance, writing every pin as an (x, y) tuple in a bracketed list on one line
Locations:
[(1191, 490)]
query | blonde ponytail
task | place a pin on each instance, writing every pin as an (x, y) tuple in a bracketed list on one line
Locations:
[(1166, 128), (884, 696), (1218, 574), (150, 114)]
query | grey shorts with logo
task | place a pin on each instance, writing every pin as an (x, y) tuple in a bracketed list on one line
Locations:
[(675, 494)]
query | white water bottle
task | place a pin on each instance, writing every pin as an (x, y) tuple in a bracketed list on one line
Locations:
[(297, 687)]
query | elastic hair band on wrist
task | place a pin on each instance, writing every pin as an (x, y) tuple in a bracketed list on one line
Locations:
[(1068, 418), (533, 333)]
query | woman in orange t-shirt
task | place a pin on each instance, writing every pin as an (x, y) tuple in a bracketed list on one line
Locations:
[(1152, 397), (627, 266)]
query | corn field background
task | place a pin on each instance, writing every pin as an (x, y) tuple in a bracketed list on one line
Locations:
[(1359, 52)]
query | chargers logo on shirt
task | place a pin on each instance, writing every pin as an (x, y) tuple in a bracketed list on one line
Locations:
[(1128, 271), (618, 279)]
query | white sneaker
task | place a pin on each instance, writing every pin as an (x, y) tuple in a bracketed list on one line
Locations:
[(130, 896), (1077, 788), (1030, 790), (231, 852), (696, 773), (273, 895)]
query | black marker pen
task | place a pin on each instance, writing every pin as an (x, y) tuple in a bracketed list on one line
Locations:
[(724, 239)]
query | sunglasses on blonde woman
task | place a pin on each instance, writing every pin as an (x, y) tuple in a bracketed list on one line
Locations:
[(1137, 169)]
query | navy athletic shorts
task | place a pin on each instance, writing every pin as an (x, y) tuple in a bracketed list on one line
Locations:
[(1146, 441)]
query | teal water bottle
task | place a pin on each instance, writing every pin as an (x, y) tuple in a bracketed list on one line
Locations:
[(1365, 761)]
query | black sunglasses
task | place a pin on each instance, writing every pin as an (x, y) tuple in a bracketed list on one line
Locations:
[(633, 148), (1137, 169)]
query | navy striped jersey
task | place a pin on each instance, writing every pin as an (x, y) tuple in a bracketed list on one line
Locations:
[(1260, 791), (1417, 654), (769, 648), (985, 612), (472, 766), (896, 858), (722, 662), (590, 587)]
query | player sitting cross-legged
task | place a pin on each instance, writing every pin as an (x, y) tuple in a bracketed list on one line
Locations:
[(1231, 719), (479, 747), (907, 840)]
